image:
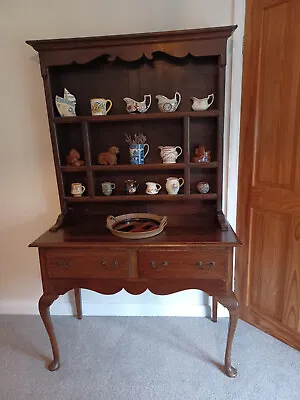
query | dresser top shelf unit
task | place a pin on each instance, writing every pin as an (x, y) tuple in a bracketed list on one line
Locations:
[(191, 62)]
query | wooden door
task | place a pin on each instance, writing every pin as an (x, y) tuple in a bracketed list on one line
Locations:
[(268, 265)]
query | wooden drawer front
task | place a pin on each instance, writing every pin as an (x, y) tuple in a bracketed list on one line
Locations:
[(87, 264), (183, 264)]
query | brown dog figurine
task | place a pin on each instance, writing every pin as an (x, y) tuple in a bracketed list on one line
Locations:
[(109, 157), (73, 159)]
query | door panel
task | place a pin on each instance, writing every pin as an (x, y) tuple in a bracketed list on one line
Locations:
[(268, 265)]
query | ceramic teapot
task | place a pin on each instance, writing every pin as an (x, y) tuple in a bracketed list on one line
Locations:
[(140, 106), (169, 154), (131, 186), (168, 105), (202, 104)]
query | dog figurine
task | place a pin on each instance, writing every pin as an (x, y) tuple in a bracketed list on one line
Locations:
[(109, 157)]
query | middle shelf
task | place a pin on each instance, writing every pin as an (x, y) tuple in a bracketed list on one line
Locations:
[(141, 167)]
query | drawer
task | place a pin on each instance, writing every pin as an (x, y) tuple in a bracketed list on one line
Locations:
[(87, 263), (183, 264)]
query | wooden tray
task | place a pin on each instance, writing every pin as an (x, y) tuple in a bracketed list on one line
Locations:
[(136, 226)]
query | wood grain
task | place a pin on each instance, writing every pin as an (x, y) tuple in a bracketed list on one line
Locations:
[(267, 273)]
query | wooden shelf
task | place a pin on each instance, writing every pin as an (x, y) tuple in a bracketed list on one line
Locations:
[(136, 117), (213, 164), (73, 169), (141, 197), (143, 167), (125, 167)]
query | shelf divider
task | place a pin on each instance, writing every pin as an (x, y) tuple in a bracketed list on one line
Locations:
[(186, 146), (87, 156)]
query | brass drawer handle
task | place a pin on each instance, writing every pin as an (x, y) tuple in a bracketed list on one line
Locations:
[(200, 264), (113, 265), (164, 264), (211, 264), (64, 263)]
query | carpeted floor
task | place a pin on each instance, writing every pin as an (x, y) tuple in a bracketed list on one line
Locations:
[(126, 358)]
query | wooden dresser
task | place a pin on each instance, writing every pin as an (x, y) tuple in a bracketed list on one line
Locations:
[(195, 250)]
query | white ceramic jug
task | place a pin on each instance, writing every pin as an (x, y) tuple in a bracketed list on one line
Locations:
[(169, 154), (202, 104), (152, 187), (173, 184), (168, 105)]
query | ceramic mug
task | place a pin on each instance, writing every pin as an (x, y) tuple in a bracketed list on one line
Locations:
[(77, 189), (98, 106), (107, 188), (137, 153), (173, 184), (152, 187)]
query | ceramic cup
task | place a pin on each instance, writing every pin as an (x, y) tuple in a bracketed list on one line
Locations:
[(107, 188), (99, 106), (137, 153), (77, 189), (173, 184), (203, 187), (152, 187)]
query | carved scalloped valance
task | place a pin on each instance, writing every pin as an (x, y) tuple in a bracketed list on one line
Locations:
[(132, 47)]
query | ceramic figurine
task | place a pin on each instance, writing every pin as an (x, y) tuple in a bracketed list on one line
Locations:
[(203, 187), (66, 105), (168, 105), (201, 154), (140, 106), (109, 157), (73, 159), (169, 154), (202, 104), (131, 186)]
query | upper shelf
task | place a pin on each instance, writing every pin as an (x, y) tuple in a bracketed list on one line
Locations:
[(136, 117)]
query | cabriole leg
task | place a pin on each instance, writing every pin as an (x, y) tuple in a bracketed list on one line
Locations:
[(231, 304), (45, 302)]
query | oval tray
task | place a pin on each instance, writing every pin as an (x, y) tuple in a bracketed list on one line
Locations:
[(136, 226)]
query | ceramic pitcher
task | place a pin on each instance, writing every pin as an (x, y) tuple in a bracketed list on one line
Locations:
[(169, 154), (202, 104), (173, 184), (168, 105)]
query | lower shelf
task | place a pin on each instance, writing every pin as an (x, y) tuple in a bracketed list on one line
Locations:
[(162, 197)]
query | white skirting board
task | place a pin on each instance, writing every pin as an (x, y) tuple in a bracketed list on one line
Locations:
[(98, 309)]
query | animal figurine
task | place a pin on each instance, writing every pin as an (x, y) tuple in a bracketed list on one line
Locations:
[(201, 154), (73, 159), (109, 157)]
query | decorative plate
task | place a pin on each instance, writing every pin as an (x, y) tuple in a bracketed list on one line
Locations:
[(136, 226)]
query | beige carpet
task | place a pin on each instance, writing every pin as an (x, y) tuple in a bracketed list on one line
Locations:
[(122, 358)]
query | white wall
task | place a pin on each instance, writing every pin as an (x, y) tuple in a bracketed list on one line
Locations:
[(29, 201)]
